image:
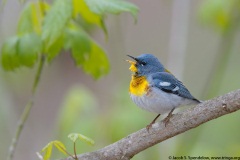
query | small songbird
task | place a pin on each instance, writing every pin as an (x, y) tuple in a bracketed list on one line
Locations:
[(155, 89)]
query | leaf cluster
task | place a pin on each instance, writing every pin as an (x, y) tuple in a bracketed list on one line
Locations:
[(47, 150), (44, 30)]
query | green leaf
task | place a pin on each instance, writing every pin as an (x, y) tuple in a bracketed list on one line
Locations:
[(9, 58), (81, 8), (78, 41), (96, 63), (55, 48), (30, 45), (102, 7), (86, 53), (48, 149), (75, 136), (55, 22), (31, 18), (21, 51)]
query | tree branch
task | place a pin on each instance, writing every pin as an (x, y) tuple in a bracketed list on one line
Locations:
[(134, 143)]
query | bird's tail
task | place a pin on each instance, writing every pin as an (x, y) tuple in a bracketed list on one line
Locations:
[(197, 101)]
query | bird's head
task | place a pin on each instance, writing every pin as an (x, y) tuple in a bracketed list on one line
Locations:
[(145, 64)]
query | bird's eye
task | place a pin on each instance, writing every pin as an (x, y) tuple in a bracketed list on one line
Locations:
[(143, 63)]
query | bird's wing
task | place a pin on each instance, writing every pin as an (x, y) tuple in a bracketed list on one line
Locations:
[(170, 84)]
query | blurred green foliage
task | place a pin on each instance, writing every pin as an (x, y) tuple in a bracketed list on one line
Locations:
[(45, 30), (223, 16), (77, 115), (217, 13)]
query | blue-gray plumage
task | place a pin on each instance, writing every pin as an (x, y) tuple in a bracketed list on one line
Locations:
[(172, 85), (148, 64)]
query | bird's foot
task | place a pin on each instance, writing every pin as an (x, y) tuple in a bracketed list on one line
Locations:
[(167, 119), (150, 125)]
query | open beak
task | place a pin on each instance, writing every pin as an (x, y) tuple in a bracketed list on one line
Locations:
[(132, 57), (133, 64)]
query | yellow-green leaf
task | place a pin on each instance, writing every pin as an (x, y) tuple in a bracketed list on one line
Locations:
[(76, 136), (31, 18), (60, 146), (40, 9), (81, 8), (47, 151)]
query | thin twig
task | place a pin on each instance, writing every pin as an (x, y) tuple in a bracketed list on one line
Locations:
[(38, 74), (26, 111), (22, 121), (75, 153)]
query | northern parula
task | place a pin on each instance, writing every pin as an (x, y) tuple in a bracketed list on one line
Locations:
[(155, 89)]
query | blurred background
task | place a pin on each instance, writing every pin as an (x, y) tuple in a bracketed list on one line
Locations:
[(198, 41)]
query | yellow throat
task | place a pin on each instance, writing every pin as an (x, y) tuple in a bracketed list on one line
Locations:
[(138, 86)]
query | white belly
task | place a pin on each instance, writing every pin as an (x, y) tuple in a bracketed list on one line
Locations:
[(159, 101)]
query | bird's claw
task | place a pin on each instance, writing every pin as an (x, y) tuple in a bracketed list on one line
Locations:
[(167, 119), (149, 126)]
